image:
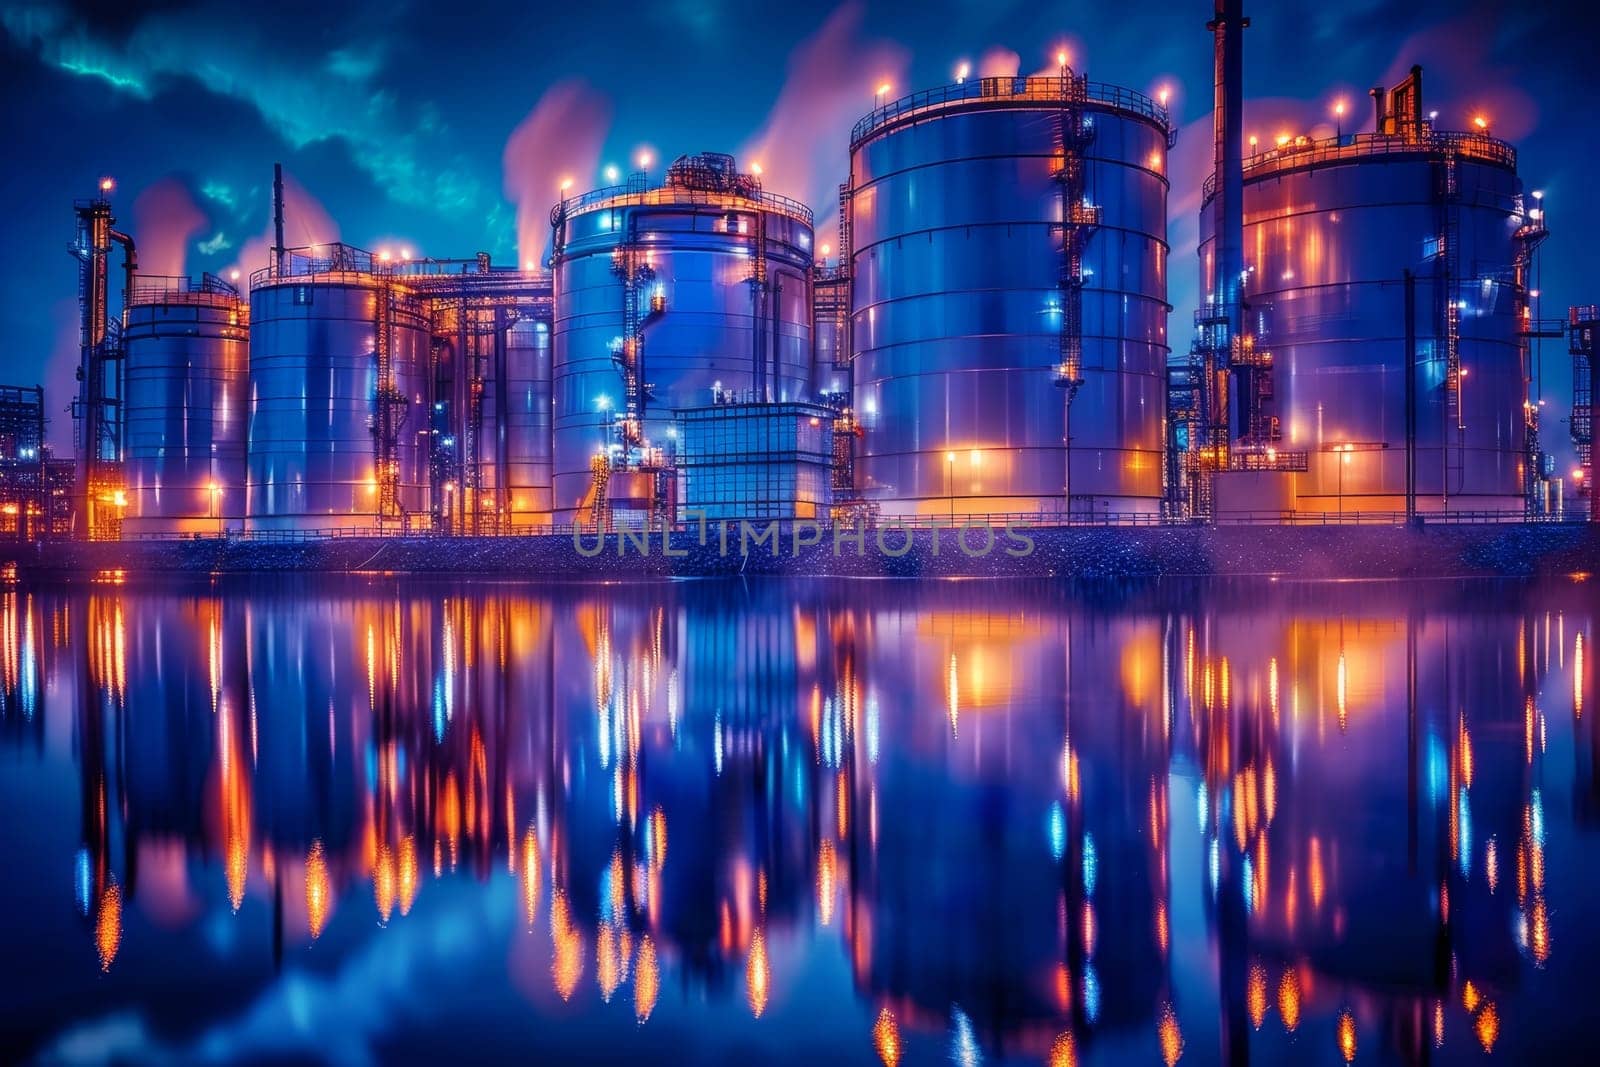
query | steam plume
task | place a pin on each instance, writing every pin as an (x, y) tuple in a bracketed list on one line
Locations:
[(560, 138), (164, 220)]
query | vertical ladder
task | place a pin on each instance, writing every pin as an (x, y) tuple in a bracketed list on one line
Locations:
[(389, 404), (1079, 220), (1449, 280)]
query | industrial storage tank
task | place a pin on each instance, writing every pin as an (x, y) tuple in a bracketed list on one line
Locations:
[(972, 299), (516, 432), (186, 351), (339, 356), (662, 295), (1332, 228)]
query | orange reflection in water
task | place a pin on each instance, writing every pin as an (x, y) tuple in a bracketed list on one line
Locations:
[(318, 890)]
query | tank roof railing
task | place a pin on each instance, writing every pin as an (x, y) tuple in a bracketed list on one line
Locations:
[(1038, 89), (181, 289), (666, 196), (1305, 152), (342, 261)]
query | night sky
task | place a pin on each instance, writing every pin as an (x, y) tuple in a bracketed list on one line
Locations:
[(428, 127)]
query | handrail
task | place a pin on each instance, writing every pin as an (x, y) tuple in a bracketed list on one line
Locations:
[(1041, 89), (667, 195), (180, 289), (1305, 152)]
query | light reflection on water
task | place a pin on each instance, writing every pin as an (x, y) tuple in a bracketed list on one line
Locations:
[(877, 822)]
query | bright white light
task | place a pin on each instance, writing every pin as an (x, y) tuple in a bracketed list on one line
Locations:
[(612, 174)]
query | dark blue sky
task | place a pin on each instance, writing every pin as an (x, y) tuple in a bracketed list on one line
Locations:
[(395, 116)]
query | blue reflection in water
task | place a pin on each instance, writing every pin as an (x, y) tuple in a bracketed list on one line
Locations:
[(381, 819)]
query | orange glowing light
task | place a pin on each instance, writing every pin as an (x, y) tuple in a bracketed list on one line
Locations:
[(1488, 1027), (566, 962), (385, 882), (530, 874), (1347, 1036), (1481, 122), (886, 1039), (1256, 994), (608, 960), (645, 159), (1170, 1036), (1283, 139), (883, 89), (1061, 58), (1289, 1000), (1164, 95), (827, 250), (408, 873), (106, 185), (646, 980), (1064, 1051), (108, 926), (318, 890), (758, 975), (1338, 109), (755, 168)]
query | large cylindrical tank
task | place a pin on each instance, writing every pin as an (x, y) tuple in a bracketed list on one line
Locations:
[(516, 434), (314, 388), (959, 295), (1330, 229), (186, 350), (700, 245)]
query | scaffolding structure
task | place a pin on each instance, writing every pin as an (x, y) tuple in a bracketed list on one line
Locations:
[(471, 305), (97, 409), (1584, 324)]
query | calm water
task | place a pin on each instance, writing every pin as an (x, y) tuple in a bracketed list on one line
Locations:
[(376, 819)]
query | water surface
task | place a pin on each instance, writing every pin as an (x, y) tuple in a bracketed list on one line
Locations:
[(381, 819)]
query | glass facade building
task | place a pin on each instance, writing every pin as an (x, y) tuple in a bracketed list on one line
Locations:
[(740, 459)]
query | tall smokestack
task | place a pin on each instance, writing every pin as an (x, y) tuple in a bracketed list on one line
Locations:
[(277, 218), (1227, 29), (1228, 155)]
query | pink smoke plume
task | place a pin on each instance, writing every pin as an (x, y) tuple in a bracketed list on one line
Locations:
[(831, 77), (1461, 80), (560, 138), (999, 63), (305, 222), (164, 220)]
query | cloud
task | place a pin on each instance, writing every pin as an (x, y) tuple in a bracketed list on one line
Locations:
[(164, 220), (802, 145), (240, 60), (560, 138)]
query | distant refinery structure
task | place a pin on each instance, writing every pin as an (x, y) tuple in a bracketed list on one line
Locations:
[(985, 338)]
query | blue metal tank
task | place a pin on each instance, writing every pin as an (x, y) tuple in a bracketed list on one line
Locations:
[(516, 433), (1331, 227), (721, 298), (187, 349), (313, 441), (966, 288)]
